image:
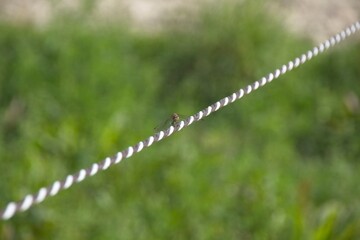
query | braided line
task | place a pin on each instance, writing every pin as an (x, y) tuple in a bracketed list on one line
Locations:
[(56, 187)]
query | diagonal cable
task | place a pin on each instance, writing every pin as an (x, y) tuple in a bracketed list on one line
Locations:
[(53, 189)]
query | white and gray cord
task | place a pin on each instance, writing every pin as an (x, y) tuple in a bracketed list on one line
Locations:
[(31, 199)]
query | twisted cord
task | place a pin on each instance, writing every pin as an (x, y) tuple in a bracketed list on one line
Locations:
[(53, 189)]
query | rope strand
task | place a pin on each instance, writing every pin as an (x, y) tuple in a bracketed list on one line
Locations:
[(45, 192)]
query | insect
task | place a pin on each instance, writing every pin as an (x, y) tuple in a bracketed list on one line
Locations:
[(171, 121)]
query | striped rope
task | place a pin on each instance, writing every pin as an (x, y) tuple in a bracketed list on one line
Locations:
[(45, 192)]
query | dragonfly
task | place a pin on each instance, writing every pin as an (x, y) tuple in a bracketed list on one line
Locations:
[(170, 121)]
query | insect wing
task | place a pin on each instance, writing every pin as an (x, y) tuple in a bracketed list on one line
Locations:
[(164, 125)]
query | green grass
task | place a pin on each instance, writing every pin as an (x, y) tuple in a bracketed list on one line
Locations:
[(281, 163)]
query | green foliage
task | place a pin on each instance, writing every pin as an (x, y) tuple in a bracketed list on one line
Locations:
[(281, 163)]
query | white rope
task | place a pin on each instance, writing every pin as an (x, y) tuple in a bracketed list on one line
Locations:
[(56, 187)]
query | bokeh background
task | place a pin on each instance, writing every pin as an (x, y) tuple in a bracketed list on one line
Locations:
[(81, 80)]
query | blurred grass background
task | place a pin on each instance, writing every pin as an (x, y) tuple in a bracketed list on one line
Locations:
[(282, 163)]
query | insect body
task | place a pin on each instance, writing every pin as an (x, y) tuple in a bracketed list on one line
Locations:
[(171, 121)]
